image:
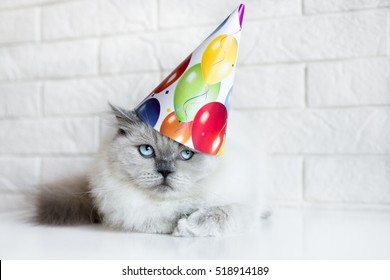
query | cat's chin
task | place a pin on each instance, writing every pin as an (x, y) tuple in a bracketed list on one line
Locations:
[(163, 188), (163, 191)]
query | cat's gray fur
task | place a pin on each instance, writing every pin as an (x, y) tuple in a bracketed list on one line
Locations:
[(68, 202), (163, 194)]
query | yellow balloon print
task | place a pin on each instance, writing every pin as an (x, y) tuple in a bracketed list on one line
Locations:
[(222, 149), (219, 58)]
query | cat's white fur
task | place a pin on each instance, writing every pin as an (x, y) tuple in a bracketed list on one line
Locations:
[(228, 198)]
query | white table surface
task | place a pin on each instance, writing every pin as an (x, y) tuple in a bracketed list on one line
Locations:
[(287, 234)]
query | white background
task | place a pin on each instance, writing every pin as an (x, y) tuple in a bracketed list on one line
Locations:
[(312, 77)]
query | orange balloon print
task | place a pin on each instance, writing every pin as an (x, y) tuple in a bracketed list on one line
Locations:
[(177, 131), (219, 58)]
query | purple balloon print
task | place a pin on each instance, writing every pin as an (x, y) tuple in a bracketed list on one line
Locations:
[(149, 111), (241, 10)]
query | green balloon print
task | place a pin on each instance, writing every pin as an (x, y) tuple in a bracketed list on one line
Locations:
[(192, 93)]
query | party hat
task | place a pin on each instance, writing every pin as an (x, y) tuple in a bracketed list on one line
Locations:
[(191, 105)]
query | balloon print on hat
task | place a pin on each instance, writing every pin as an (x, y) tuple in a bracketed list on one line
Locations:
[(176, 130), (149, 111), (219, 27), (228, 98), (192, 92), (241, 11), (191, 105), (174, 76), (209, 128), (219, 58)]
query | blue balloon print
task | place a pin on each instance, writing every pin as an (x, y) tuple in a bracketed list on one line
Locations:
[(149, 111), (219, 27), (228, 97)]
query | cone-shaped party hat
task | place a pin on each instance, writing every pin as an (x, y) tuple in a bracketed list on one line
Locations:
[(191, 105)]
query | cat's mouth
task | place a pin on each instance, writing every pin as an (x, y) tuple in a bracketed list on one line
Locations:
[(164, 187)]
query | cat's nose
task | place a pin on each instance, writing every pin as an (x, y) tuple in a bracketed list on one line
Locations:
[(164, 172)]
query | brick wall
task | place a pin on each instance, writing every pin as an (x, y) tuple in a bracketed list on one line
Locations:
[(314, 77)]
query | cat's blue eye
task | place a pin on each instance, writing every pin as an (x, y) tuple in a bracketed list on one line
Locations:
[(146, 151), (186, 154)]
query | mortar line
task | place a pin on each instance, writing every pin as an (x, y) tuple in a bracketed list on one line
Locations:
[(333, 155), (99, 59), (312, 108), (303, 194), (158, 10), (39, 25), (98, 137), (306, 87), (32, 5), (44, 155), (42, 110), (330, 205)]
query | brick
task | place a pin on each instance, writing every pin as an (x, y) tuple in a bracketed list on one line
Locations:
[(65, 59), (127, 16), (388, 35), (315, 38), (185, 13), (319, 6), (57, 168), (70, 19), (279, 177), (286, 40), (83, 96), (42, 136), (94, 18), (327, 131), (269, 87), (131, 53), (348, 179), (284, 175), (360, 82), (173, 46), (19, 26), (19, 174), (20, 100)]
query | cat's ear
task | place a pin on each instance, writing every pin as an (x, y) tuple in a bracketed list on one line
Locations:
[(125, 118)]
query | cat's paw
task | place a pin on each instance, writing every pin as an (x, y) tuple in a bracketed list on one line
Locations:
[(212, 221)]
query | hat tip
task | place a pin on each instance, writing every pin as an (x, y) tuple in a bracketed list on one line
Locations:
[(241, 10)]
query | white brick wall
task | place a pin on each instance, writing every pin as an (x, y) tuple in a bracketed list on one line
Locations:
[(49, 60), (313, 78), (24, 25), (351, 83)]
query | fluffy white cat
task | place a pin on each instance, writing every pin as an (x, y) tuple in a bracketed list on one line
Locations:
[(143, 181)]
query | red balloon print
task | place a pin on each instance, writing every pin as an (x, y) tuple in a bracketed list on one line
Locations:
[(176, 74), (209, 128)]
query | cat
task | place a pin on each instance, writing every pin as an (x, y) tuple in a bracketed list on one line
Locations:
[(142, 181)]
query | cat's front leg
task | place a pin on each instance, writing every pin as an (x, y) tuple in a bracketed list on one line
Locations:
[(215, 221)]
